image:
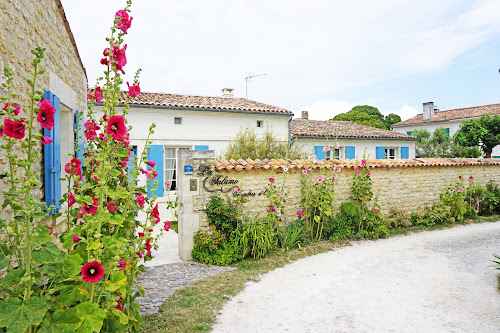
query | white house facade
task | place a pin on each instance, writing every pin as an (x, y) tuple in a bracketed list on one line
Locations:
[(450, 120), (349, 140)]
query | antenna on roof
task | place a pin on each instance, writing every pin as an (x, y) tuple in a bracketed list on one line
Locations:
[(249, 76)]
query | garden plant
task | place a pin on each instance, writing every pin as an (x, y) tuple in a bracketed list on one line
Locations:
[(80, 279)]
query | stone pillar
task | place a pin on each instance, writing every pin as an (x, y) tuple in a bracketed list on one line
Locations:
[(191, 199)]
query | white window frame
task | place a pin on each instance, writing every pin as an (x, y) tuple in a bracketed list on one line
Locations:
[(388, 153), (173, 180)]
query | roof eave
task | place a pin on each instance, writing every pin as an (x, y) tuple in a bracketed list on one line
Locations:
[(354, 138)]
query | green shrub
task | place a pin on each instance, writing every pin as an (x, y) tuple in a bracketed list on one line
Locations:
[(438, 214), (380, 231), (453, 197), (291, 235), (352, 215), (398, 218), (256, 238), (340, 229), (224, 214), (215, 249), (491, 203)]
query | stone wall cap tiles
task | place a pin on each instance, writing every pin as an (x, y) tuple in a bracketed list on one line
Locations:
[(279, 164)]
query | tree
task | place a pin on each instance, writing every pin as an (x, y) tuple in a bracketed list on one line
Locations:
[(484, 132), (247, 144), (439, 144), (369, 116)]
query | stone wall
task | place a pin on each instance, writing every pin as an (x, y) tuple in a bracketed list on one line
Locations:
[(23, 25)]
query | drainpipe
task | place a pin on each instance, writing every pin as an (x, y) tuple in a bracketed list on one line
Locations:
[(290, 142)]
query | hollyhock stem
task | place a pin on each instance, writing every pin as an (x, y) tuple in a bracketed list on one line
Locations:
[(92, 290)]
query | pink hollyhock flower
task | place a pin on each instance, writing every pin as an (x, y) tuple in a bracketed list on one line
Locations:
[(148, 245), (337, 146), (73, 167), (471, 178), (14, 129), (90, 129), (304, 171), (102, 137), (46, 140), (71, 199), (151, 163), (116, 127), (156, 214), (16, 110), (119, 58), (97, 96), (374, 210), (51, 230), (167, 225), (335, 176), (271, 208), (140, 200), (357, 169), (460, 189), (368, 172), (320, 180), (300, 213), (112, 207), (150, 174), (339, 169), (122, 263), (459, 177), (92, 272), (91, 209), (125, 22), (76, 239), (271, 180), (134, 90), (326, 149), (363, 163), (46, 114), (140, 254)]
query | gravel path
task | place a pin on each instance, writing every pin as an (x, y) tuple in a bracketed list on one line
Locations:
[(428, 282)]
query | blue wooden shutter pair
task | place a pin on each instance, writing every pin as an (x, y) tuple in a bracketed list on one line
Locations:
[(447, 131), (52, 156), (200, 147), (156, 154), (380, 153), (318, 151), (405, 152), (79, 145), (350, 152)]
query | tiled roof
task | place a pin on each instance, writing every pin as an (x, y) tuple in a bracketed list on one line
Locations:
[(342, 129), (202, 102), (70, 33), (454, 114), (249, 164)]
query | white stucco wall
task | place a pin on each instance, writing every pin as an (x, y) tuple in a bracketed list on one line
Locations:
[(453, 125), (366, 146)]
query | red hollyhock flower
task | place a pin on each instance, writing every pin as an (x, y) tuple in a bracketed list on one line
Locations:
[(122, 263), (16, 110), (140, 200), (76, 239), (91, 209), (134, 90), (71, 199), (151, 163), (90, 129), (46, 114), (140, 234), (116, 56), (156, 214), (167, 226), (92, 272), (112, 207), (140, 254), (73, 167), (148, 245), (14, 129), (125, 22), (97, 94), (46, 140), (119, 306), (116, 127)]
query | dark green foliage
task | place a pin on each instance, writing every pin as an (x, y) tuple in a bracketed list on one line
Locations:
[(351, 214), (224, 214), (257, 238), (484, 132), (215, 249), (292, 235), (369, 116), (491, 203), (338, 228), (398, 218), (440, 144)]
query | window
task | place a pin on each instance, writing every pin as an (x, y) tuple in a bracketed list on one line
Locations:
[(337, 154), (177, 121), (171, 171), (390, 153), (260, 123), (328, 155)]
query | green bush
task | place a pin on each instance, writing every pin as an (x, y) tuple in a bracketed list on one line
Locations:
[(224, 214), (291, 235), (215, 249), (256, 238), (398, 218), (491, 203), (352, 215), (380, 231)]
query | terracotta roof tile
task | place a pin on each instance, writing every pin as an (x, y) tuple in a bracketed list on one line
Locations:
[(222, 165), (237, 104), (454, 114), (342, 129)]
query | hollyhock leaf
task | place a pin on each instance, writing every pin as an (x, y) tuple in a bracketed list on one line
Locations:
[(122, 152), (119, 192), (91, 316), (115, 173), (122, 317), (13, 277), (49, 253), (4, 261), (62, 321), (88, 200), (94, 245), (41, 239), (70, 295), (141, 289), (116, 219), (113, 244), (53, 269), (72, 265), (116, 281), (40, 215), (17, 315)]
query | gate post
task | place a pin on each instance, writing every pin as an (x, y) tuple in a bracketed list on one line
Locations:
[(190, 195)]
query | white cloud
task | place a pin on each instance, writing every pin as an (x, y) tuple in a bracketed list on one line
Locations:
[(325, 110), (406, 112)]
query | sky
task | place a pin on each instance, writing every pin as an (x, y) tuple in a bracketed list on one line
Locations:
[(323, 56)]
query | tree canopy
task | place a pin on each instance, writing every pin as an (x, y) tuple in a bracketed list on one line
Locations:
[(369, 116), (439, 144), (484, 132)]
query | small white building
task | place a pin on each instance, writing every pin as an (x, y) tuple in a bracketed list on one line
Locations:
[(450, 120), (355, 141)]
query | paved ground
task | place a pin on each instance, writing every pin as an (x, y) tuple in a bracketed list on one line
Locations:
[(427, 282)]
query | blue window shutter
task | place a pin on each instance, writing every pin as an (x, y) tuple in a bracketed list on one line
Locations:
[(447, 131), (130, 163), (318, 151), (380, 153), (79, 136), (350, 152), (200, 147), (52, 157), (405, 152), (156, 154), (409, 133)]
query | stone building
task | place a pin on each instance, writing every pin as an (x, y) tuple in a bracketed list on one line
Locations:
[(23, 25)]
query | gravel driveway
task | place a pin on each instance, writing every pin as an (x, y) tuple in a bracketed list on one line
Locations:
[(435, 281)]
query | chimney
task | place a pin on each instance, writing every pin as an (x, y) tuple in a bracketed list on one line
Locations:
[(305, 115), (227, 92), (428, 110)]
